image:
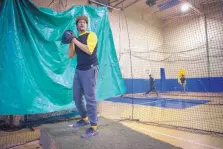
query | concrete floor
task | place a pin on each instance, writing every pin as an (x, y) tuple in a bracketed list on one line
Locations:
[(202, 116), (185, 140), (112, 135)]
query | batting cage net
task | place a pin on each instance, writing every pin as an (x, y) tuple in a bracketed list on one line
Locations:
[(173, 70), (171, 60)]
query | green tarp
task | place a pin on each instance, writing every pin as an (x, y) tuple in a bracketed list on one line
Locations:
[(36, 75)]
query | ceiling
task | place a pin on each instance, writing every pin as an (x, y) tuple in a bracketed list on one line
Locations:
[(165, 9), (123, 3)]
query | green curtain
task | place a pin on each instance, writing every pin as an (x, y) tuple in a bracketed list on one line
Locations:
[(36, 75)]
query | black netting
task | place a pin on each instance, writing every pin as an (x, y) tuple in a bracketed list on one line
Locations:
[(186, 43)]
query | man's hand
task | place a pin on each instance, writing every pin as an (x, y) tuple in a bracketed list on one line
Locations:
[(82, 46)]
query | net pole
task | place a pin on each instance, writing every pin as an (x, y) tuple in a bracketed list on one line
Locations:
[(207, 47), (207, 44), (130, 57)]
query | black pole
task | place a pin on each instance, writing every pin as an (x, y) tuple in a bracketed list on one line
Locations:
[(207, 49), (131, 67)]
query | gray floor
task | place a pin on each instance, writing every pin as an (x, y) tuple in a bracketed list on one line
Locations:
[(112, 136)]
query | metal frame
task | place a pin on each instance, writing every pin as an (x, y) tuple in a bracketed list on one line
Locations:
[(135, 1), (114, 1), (116, 4), (105, 5), (122, 1)]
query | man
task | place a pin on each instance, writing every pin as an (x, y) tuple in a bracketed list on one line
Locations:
[(85, 48), (183, 82), (152, 85)]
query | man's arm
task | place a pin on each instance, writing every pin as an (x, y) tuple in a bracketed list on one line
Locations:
[(91, 43), (71, 50)]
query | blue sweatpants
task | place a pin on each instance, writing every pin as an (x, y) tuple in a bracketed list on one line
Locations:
[(85, 84)]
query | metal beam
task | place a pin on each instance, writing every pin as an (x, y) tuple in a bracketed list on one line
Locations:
[(113, 1), (135, 1), (104, 5), (119, 3)]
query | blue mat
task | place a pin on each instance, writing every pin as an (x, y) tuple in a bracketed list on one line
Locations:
[(160, 102)]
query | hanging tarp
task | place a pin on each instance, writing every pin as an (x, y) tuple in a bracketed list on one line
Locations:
[(36, 75)]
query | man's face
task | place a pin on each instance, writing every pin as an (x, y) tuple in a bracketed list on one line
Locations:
[(82, 25)]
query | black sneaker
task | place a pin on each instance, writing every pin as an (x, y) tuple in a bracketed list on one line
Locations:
[(90, 132)]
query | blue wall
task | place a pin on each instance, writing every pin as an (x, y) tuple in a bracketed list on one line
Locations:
[(214, 84)]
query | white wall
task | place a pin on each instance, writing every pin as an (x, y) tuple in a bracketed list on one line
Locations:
[(186, 34), (144, 36), (215, 36), (189, 34)]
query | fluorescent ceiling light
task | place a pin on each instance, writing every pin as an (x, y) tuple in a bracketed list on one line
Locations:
[(185, 7)]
